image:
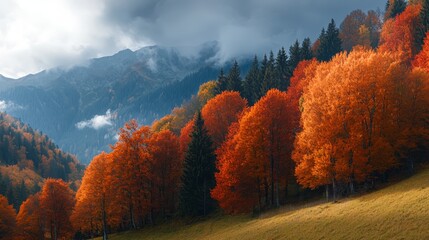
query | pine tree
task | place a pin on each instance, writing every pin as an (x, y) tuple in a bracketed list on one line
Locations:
[(234, 79), (221, 82), (250, 84), (282, 70), (423, 26), (294, 55), (263, 70), (198, 173), (270, 80), (394, 9), (330, 42), (306, 53)]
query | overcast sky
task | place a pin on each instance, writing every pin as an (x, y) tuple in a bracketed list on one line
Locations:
[(36, 35)]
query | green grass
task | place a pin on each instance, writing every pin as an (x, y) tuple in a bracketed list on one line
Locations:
[(399, 211)]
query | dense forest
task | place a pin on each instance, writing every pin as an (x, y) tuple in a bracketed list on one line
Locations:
[(27, 157), (337, 117)]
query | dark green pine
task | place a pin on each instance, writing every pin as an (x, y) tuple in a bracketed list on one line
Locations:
[(282, 70), (306, 53), (198, 173), (221, 82), (234, 79), (251, 82)]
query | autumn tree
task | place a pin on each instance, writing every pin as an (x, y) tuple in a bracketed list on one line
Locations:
[(185, 138), (253, 161), (220, 112), (56, 202), (165, 171), (398, 34), (198, 173), (29, 219), (7, 219), (356, 119), (422, 59), (95, 209), (130, 172)]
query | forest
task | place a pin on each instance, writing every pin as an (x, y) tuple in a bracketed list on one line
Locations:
[(330, 118)]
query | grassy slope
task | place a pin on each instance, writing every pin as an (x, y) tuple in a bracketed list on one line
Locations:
[(400, 211)]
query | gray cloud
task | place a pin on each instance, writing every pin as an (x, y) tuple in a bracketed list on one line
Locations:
[(43, 34), (240, 27)]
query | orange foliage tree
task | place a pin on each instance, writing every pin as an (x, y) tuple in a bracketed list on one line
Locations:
[(253, 161), (165, 171), (356, 118), (56, 203), (220, 112), (422, 59), (185, 137), (129, 176), (29, 219), (7, 219), (398, 33), (95, 209)]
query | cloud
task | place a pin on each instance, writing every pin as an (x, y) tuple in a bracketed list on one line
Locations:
[(43, 34), (9, 106), (97, 122)]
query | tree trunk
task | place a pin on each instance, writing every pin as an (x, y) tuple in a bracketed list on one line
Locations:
[(327, 192), (334, 190)]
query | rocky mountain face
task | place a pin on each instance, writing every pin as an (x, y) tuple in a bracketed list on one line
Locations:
[(82, 108)]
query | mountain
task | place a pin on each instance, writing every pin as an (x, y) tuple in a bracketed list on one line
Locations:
[(27, 157), (81, 108)]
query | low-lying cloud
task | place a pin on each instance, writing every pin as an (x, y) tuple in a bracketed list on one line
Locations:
[(97, 122), (6, 106)]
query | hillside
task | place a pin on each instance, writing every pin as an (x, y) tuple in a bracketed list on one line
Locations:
[(399, 211), (27, 157)]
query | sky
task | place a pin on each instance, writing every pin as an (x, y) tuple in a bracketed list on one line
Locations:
[(38, 35)]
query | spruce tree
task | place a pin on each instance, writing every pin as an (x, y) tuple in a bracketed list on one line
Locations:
[(251, 83), (306, 53), (394, 9), (294, 55), (259, 85), (282, 70), (234, 79), (330, 42), (423, 27), (270, 80), (221, 82), (198, 173)]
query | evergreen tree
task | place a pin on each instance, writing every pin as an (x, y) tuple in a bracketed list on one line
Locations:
[(251, 84), (282, 70), (330, 42), (221, 82), (234, 79), (260, 83), (306, 53), (423, 27), (198, 173), (394, 9), (294, 55), (270, 80)]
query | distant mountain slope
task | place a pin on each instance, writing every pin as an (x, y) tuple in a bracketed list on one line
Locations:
[(400, 211), (26, 157), (82, 108)]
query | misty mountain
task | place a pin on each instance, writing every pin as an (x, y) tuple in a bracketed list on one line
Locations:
[(82, 108)]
